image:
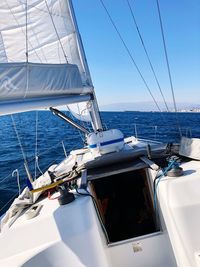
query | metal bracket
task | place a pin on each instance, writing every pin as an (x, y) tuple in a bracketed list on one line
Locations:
[(151, 164), (83, 179)]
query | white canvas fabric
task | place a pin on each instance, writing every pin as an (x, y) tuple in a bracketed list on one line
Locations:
[(49, 36), (80, 111), (41, 55), (24, 200), (30, 80), (190, 147)]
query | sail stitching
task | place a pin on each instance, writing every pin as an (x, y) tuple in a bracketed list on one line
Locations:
[(56, 31), (21, 30), (42, 10)]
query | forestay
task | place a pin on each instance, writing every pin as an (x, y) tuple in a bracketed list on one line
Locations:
[(43, 32)]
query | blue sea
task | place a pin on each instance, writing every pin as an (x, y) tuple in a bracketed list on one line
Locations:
[(43, 134)]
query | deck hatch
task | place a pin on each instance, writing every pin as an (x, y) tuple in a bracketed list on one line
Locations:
[(125, 204)]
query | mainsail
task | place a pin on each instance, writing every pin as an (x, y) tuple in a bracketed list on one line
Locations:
[(42, 62)]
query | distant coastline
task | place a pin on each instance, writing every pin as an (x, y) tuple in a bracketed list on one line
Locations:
[(150, 111), (150, 107), (190, 110)]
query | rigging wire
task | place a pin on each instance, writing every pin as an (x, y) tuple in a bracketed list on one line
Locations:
[(61, 45), (131, 57), (22, 31), (64, 149), (16, 172), (19, 140), (37, 165), (52, 148), (36, 141), (147, 54), (88, 125), (9, 201), (5, 178), (80, 133), (36, 147), (26, 31), (168, 66), (80, 114), (26, 165), (85, 123)]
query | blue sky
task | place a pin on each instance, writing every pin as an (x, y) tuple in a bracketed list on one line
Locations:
[(114, 76)]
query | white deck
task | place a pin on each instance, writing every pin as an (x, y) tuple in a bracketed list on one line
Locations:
[(180, 204), (64, 236), (71, 235)]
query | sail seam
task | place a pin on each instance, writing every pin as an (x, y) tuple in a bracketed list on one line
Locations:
[(5, 54), (26, 31), (56, 31), (21, 29), (42, 10)]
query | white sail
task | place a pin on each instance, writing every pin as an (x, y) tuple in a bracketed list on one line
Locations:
[(81, 111), (42, 32), (44, 29)]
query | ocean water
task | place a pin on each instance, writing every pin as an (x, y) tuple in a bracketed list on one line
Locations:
[(52, 133)]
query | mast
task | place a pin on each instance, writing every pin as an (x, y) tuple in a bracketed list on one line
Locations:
[(95, 115)]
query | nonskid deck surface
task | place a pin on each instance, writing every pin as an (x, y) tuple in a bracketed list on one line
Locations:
[(71, 235), (179, 200), (59, 234)]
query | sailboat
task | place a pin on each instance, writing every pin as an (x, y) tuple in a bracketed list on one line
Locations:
[(117, 201)]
